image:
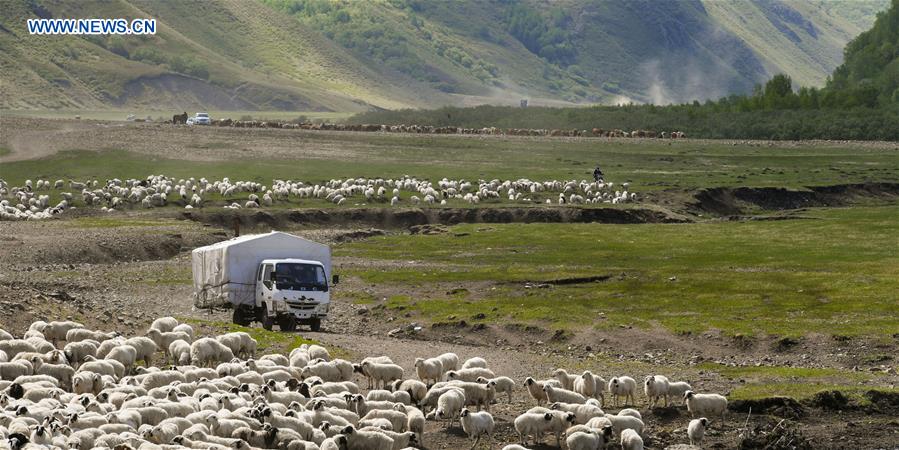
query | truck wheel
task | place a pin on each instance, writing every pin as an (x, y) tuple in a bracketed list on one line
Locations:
[(267, 320), (240, 318), (287, 323), (315, 325)]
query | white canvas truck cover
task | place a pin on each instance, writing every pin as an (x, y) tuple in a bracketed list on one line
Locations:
[(225, 272)]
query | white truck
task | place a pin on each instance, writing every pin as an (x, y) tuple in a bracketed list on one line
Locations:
[(272, 278)]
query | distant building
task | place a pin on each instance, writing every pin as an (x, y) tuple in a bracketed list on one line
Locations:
[(524, 103)]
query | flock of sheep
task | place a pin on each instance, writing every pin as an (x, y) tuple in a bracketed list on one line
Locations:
[(32, 200), (65, 386), (427, 129)]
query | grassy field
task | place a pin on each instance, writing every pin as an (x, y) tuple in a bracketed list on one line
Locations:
[(309, 156), (835, 273)]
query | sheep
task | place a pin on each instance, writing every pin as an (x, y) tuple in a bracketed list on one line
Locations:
[(470, 375), (145, 348), (535, 388), (11, 370), (537, 424), (450, 361), (185, 328), (13, 347), (164, 324), (554, 394), (582, 413), (383, 395), (398, 420), (620, 423), (336, 370), (705, 404), (75, 352), (449, 404), (429, 369), (366, 440), (56, 331), (477, 361), (622, 386), (416, 389), (261, 439), (334, 443), (476, 424), (415, 420), (631, 440), (630, 412), (382, 374), (590, 386), (87, 383), (83, 334), (501, 385), (564, 378), (207, 351), (677, 389), (124, 354), (696, 430), (588, 440), (179, 351), (164, 339), (109, 367), (240, 343), (61, 372), (655, 387)]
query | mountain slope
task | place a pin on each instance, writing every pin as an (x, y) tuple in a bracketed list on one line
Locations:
[(341, 55)]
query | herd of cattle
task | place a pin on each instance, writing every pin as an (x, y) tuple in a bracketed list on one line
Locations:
[(427, 129)]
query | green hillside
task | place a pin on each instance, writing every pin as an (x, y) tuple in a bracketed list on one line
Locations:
[(871, 70), (350, 56)]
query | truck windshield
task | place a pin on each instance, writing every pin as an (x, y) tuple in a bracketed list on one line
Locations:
[(300, 277)]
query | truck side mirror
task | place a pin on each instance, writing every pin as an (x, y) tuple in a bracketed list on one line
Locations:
[(335, 279)]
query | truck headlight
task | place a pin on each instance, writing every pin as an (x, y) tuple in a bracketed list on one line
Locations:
[(279, 306)]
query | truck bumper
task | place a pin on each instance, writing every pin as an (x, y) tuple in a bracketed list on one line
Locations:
[(308, 312)]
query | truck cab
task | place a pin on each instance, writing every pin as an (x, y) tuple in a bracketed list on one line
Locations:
[(289, 292)]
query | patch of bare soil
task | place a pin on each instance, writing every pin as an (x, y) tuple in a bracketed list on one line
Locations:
[(735, 201)]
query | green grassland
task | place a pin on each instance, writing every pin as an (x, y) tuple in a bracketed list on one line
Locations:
[(833, 273), (645, 165)]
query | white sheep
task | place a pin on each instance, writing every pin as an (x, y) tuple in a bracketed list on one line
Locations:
[(429, 369), (124, 354), (366, 440), (416, 389), (477, 424), (677, 389), (655, 387), (501, 385), (477, 361), (415, 420), (536, 424), (696, 430), (554, 394), (164, 324), (588, 440), (582, 413), (631, 440), (179, 351), (470, 375), (145, 348), (449, 404), (185, 328), (382, 374), (623, 387), (449, 361), (205, 352), (705, 404), (625, 422), (535, 388), (565, 378), (590, 386)]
